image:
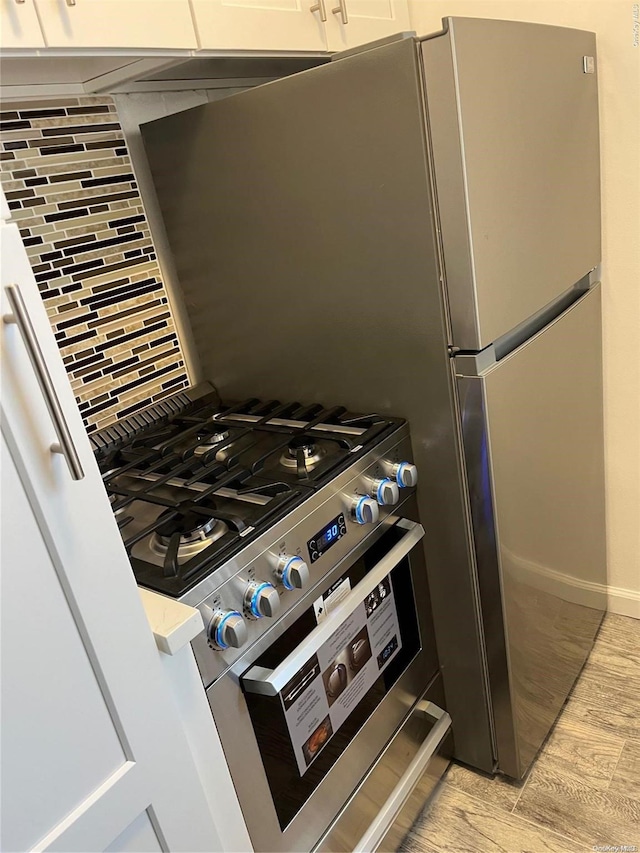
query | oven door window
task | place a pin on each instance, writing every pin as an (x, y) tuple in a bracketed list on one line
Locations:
[(308, 700)]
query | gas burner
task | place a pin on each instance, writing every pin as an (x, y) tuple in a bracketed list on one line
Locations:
[(211, 440), (302, 452), (193, 533)]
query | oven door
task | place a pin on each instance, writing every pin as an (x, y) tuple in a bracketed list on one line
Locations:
[(310, 707)]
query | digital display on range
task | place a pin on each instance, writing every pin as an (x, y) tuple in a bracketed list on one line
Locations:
[(328, 536), (325, 538)]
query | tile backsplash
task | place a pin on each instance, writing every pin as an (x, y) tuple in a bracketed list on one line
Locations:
[(68, 178)]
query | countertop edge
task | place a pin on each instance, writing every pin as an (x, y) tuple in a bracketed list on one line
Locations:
[(173, 624)]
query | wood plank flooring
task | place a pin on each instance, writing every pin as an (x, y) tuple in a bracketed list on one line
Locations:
[(583, 790)]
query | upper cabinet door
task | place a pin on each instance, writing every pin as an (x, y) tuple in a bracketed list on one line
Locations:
[(354, 22), (261, 24), (19, 25), (117, 23)]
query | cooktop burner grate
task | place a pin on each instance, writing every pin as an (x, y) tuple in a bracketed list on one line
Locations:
[(193, 486)]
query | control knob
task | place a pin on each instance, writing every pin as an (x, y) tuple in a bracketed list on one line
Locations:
[(405, 474), (385, 491), (293, 572), (226, 628), (261, 599), (364, 510)]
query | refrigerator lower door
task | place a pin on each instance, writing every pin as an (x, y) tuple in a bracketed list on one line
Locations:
[(533, 442)]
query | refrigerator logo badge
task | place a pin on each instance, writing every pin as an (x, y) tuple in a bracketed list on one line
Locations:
[(588, 65)]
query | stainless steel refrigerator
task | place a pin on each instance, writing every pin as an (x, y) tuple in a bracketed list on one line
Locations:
[(415, 228)]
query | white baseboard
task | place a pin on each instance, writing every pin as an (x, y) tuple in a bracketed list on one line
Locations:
[(624, 602)]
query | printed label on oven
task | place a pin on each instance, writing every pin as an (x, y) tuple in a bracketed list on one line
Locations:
[(331, 599), (323, 692)]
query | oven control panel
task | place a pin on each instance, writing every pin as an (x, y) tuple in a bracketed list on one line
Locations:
[(262, 583)]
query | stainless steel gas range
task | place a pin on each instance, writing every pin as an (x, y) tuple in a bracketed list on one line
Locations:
[(293, 530)]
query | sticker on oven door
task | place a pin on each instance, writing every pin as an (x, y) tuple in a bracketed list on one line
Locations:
[(330, 599), (324, 692)]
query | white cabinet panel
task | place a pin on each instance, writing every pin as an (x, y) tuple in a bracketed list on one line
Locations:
[(91, 736), (207, 24), (138, 837), (53, 710), (259, 25), (186, 685), (367, 20), (117, 23), (19, 25)]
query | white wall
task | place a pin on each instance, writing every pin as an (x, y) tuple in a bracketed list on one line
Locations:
[(617, 27)]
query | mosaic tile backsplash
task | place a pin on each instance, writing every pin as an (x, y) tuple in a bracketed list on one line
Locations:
[(68, 178)]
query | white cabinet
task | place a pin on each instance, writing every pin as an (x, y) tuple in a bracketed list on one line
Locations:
[(259, 24), (94, 756), (310, 25), (117, 23), (19, 25), (274, 25), (354, 22)]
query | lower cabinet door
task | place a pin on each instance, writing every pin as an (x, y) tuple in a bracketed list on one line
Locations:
[(354, 22), (261, 24), (117, 23), (94, 754)]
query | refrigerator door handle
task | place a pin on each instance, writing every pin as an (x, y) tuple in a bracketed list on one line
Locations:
[(341, 9)]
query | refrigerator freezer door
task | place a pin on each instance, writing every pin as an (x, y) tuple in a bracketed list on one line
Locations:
[(513, 122), (532, 428)]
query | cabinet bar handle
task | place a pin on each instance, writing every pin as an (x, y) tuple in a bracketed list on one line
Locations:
[(319, 7), (71, 2), (341, 9), (20, 317), (19, 2)]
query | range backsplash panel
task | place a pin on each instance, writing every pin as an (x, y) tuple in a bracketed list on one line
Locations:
[(69, 182)]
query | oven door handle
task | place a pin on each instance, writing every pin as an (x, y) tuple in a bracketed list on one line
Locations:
[(269, 682)]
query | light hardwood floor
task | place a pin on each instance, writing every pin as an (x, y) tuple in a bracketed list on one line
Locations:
[(583, 790)]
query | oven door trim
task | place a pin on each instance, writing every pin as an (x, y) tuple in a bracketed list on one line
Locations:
[(270, 682)]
